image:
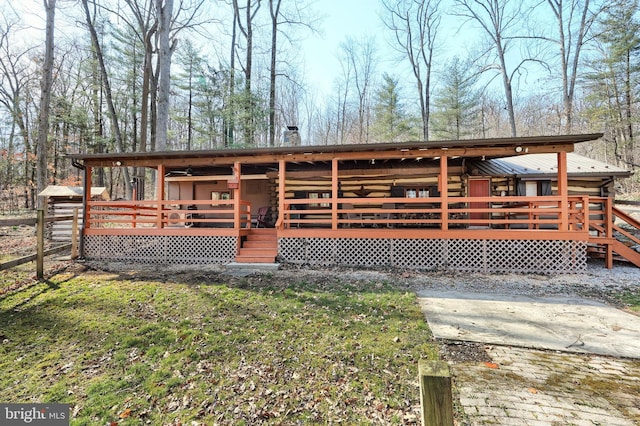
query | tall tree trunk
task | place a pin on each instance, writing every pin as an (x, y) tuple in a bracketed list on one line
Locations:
[(45, 101), (107, 88), (229, 122), (275, 12), (164, 10)]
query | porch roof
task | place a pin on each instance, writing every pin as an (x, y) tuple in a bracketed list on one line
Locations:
[(545, 165), (501, 148)]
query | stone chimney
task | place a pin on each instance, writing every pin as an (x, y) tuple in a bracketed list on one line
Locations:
[(291, 136)]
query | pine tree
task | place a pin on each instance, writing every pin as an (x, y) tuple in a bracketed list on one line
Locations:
[(456, 104), (391, 123), (612, 88)]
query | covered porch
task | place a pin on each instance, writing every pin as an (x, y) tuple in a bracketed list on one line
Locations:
[(403, 205)]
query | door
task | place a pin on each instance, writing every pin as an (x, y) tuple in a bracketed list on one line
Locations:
[(479, 188)]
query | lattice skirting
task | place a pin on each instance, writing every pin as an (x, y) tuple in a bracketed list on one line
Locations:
[(165, 249), (498, 256)]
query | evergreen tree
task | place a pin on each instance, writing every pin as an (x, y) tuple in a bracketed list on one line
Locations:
[(612, 88), (456, 103), (391, 123)]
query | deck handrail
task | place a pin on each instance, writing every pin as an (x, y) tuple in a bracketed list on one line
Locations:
[(505, 212), (150, 213)]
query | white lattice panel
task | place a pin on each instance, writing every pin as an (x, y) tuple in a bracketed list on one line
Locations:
[(160, 249), (294, 249), (363, 252), (419, 254), (466, 255), (500, 256), (320, 251)]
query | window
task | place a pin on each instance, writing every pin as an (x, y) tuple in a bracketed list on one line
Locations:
[(220, 195), (319, 195), (417, 192)]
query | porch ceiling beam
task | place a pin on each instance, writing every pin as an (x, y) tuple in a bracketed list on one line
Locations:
[(501, 151)]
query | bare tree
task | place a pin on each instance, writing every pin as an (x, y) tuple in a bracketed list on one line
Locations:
[(166, 47), (15, 76), (360, 55), (498, 19), (415, 25), (107, 88), (245, 24), (574, 20), (45, 100), (295, 16)]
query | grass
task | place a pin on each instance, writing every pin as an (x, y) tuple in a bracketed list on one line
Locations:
[(247, 351), (631, 299)]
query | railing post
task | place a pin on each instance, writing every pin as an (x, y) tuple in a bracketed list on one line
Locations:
[(585, 213), (435, 393), (74, 234), (40, 245)]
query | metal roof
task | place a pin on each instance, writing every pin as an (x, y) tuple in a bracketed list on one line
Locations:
[(467, 143), (541, 165), (73, 191)]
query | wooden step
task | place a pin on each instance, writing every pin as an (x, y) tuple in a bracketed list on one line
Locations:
[(256, 255), (260, 244), (262, 237)]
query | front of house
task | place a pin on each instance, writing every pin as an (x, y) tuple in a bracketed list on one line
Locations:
[(414, 205)]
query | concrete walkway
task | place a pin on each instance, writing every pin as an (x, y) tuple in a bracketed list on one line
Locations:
[(547, 361), (557, 323)]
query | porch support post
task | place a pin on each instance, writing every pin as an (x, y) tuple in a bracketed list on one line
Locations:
[(237, 169), (86, 222), (86, 198), (282, 169), (444, 190), (160, 195), (334, 194), (563, 190)]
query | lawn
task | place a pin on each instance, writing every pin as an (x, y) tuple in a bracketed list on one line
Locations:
[(210, 349)]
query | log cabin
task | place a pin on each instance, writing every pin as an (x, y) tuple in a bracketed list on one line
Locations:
[(415, 205)]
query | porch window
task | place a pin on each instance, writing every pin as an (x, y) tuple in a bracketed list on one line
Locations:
[(220, 195), (319, 195), (533, 188)]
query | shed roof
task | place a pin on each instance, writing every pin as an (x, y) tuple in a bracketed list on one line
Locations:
[(74, 191), (542, 165)]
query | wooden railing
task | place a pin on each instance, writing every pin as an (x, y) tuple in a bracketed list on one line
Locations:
[(513, 212), (578, 214), (168, 214)]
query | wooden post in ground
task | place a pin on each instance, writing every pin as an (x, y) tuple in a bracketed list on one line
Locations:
[(435, 393), (40, 245), (74, 234)]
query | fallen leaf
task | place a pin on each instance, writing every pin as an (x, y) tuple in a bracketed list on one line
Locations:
[(126, 413), (491, 365), (533, 390)]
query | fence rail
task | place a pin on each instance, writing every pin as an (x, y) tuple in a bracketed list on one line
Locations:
[(40, 254)]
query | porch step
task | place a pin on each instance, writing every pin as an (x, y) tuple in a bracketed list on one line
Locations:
[(261, 246), (621, 253)]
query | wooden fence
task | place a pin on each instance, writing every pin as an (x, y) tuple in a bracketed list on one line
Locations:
[(40, 254)]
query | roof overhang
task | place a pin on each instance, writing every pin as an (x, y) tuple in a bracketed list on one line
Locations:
[(490, 148)]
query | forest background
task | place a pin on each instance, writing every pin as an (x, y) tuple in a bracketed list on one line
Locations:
[(154, 75)]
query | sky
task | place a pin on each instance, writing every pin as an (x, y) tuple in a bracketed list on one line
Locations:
[(339, 20), (342, 19)]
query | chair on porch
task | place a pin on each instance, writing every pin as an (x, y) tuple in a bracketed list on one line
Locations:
[(387, 215), (351, 215), (261, 218)]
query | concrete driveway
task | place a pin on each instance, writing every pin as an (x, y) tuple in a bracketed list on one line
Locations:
[(555, 323)]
